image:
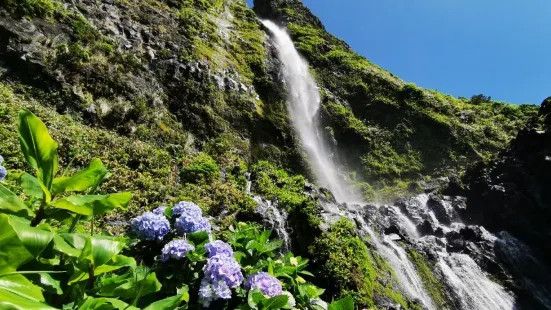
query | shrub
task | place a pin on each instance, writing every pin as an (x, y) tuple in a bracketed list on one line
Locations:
[(201, 168)]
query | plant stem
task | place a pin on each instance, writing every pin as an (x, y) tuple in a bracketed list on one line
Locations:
[(39, 215)]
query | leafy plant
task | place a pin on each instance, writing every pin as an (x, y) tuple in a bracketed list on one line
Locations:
[(48, 260)]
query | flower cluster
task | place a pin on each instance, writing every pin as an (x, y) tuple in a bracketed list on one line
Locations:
[(264, 282), (150, 226), (176, 249), (222, 273), (159, 210), (218, 248), (190, 218), (3, 171)]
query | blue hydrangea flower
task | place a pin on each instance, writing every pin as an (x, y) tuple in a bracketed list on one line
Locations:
[(159, 210), (150, 226), (223, 268), (187, 208), (209, 292), (3, 173), (222, 273), (176, 249), (218, 248), (190, 224), (264, 282)]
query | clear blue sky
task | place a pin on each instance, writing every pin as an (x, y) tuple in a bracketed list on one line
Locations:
[(501, 48)]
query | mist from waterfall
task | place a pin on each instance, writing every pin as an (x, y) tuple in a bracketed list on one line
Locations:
[(303, 105)]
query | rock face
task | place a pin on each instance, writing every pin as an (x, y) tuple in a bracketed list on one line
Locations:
[(513, 193)]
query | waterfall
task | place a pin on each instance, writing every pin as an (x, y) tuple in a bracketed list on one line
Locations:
[(471, 286), (303, 106)]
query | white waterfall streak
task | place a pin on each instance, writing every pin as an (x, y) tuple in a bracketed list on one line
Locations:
[(303, 106)]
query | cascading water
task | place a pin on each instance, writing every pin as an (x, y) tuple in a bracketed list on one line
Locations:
[(303, 106), (469, 286)]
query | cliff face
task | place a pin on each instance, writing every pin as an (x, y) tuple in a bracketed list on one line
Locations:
[(188, 72), (390, 131)]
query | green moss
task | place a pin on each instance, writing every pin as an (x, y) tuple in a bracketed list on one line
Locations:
[(349, 267), (200, 168), (430, 282), (32, 8)]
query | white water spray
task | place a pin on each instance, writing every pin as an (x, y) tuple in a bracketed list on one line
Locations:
[(303, 106)]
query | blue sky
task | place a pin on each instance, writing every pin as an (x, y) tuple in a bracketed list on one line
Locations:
[(501, 48)]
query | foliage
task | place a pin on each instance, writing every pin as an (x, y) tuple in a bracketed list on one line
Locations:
[(53, 262), (200, 168), (57, 259)]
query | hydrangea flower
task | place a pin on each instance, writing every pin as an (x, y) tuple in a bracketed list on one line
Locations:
[(190, 224), (209, 292), (218, 248), (222, 273), (187, 208), (225, 268), (150, 226), (3, 173), (264, 282), (159, 210), (176, 249), (291, 302)]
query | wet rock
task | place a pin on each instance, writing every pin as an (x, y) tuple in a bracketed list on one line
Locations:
[(443, 209)]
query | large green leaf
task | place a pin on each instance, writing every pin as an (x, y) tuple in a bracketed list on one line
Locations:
[(116, 263), (20, 243), (10, 203), (276, 302), (346, 303), (137, 282), (33, 187), (170, 303), (47, 282), (89, 177), (38, 147), (93, 204), (97, 251), (18, 293), (105, 304)]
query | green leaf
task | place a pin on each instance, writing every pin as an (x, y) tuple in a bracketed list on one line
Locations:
[(38, 147), (33, 187), (137, 282), (97, 251), (12, 301), (47, 282), (198, 238), (10, 203), (89, 177), (116, 263), (169, 303), (346, 303), (105, 304), (62, 246), (21, 286), (93, 204), (254, 298), (276, 302), (20, 243)]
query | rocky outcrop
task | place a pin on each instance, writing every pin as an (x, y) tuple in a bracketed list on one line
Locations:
[(512, 193)]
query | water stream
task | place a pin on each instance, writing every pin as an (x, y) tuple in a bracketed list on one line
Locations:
[(471, 287)]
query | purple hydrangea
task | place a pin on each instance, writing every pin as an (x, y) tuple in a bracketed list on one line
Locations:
[(150, 226), (3, 173), (212, 291), (159, 210), (225, 268), (176, 249), (222, 273), (187, 208), (190, 224), (264, 282), (218, 248)]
